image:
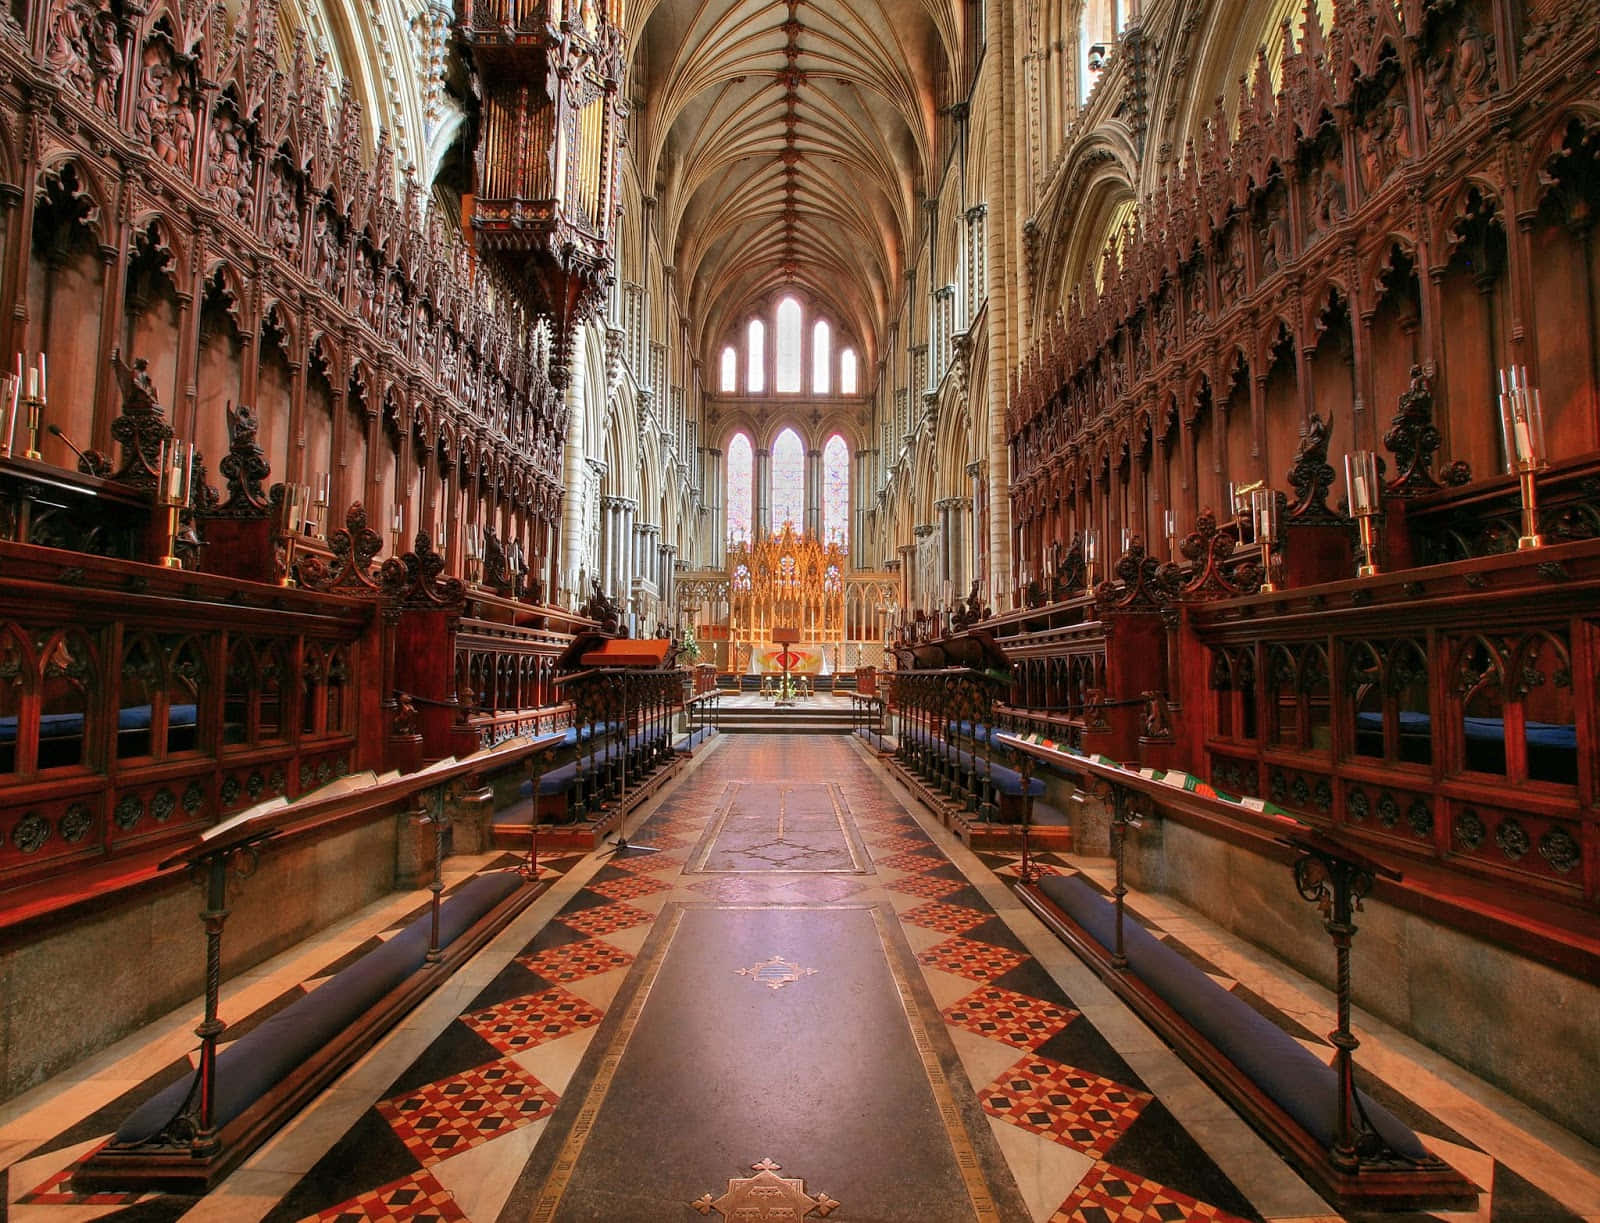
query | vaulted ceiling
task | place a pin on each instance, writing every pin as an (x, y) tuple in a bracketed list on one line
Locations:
[(789, 142)]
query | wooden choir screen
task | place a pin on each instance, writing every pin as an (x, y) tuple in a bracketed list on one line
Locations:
[(367, 360), (1353, 258), (1408, 713), (137, 708)]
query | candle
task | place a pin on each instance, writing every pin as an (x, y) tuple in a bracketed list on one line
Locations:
[(188, 475), (33, 383), (398, 522), (1524, 442), (43, 393)]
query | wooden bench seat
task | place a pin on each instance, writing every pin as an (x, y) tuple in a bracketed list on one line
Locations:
[(1280, 1087)]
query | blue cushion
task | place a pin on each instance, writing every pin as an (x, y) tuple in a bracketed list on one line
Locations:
[(1009, 782), (968, 730), (66, 725), (1563, 735), (1291, 1076), (260, 1059)]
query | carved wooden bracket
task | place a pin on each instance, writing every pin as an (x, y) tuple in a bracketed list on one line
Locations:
[(1210, 549), (413, 580), (354, 545), (1145, 583)]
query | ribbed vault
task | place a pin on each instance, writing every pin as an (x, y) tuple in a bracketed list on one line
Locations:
[(789, 143)]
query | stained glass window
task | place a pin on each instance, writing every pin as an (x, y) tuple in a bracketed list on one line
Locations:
[(847, 371), (730, 369), (756, 350), (787, 376), (836, 491), (741, 464), (788, 481), (821, 355)]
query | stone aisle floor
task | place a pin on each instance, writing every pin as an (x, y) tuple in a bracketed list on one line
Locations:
[(852, 1007)]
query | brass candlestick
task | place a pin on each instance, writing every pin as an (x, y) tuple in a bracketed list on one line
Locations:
[(1522, 433), (1361, 486), (35, 408), (1530, 537), (1264, 517), (293, 523), (172, 494)]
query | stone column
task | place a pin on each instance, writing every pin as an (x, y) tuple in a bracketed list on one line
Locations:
[(718, 528), (630, 509), (763, 495), (974, 555), (813, 521), (607, 532), (860, 496), (577, 469)]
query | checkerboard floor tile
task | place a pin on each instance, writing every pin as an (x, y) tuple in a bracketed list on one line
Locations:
[(417, 1198), (894, 842), (649, 864), (466, 1110), (908, 860), (525, 1022), (574, 961), (970, 958), (1009, 1017), (668, 839), (1074, 1107), (921, 885), (950, 919), (637, 884), (58, 1192), (605, 919), (1109, 1194)]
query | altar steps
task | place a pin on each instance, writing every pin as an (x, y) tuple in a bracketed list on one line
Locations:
[(796, 719)]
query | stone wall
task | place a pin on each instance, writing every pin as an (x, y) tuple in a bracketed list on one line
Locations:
[(74, 990)]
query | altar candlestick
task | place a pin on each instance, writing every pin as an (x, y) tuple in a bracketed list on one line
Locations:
[(1361, 482)]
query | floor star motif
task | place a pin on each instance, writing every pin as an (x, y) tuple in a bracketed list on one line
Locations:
[(775, 973), (766, 1195)]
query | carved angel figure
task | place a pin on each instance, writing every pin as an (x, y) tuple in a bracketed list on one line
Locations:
[(283, 213), (242, 426), (105, 61), (66, 49), (1328, 196), (232, 169), (327, 263), (162, 117)]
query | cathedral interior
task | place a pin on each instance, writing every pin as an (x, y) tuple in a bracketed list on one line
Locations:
[(902, 610)]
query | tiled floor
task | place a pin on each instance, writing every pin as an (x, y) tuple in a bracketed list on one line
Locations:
[(1070, 1108)]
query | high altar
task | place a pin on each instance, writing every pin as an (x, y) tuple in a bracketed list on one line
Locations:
[(791, 579)]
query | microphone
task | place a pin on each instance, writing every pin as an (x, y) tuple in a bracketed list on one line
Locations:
[(90, 462)]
